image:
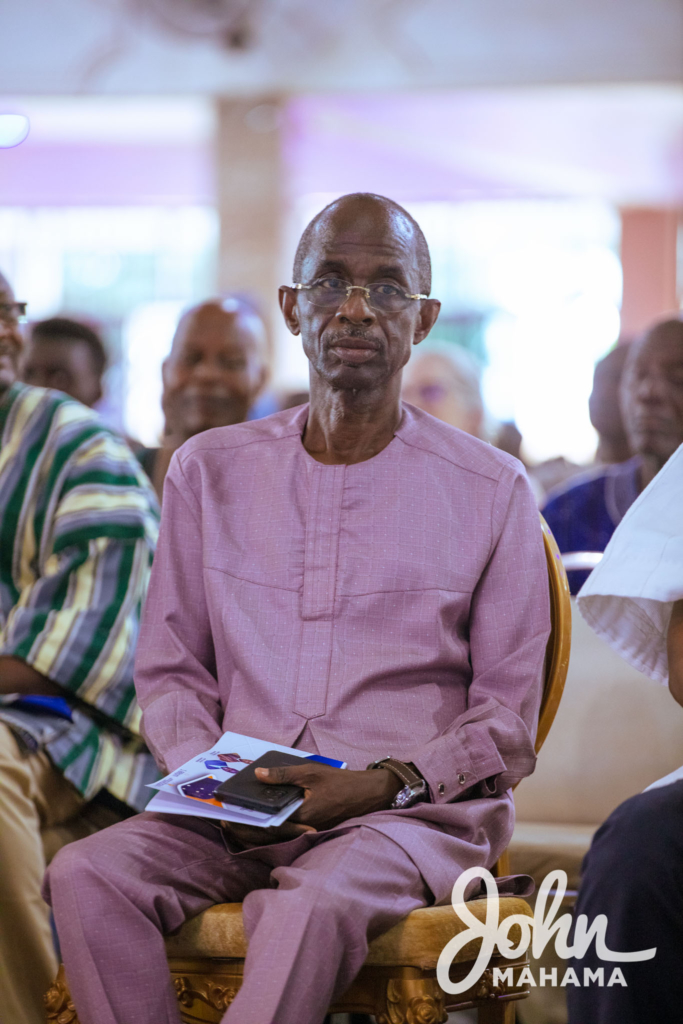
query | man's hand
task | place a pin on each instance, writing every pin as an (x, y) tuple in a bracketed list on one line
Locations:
[(18, 677), (331, 795), (251, 835)]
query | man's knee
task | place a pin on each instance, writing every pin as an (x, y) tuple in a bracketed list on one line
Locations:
[(65, 867), (307, 899), (72, 865)]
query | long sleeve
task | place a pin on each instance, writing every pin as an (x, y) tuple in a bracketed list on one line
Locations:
[(78, 527), (82, 572), (492, 742), (77, 623), (175, 672)]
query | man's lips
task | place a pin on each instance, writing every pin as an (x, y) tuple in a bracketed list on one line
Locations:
[(353, 350), (654, 424)]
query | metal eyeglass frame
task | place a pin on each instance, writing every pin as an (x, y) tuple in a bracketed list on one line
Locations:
[(13, 310), (362, 288)]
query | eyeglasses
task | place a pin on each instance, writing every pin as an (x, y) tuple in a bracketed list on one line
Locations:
[(12, 310), (331, 293)]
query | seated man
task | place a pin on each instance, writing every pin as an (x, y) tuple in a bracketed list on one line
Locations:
[(77, 525), (216, 369), (66, 355), (352, 577), (632, 872), (584, 514)]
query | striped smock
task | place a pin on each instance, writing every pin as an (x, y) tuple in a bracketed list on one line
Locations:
[(78, 528)]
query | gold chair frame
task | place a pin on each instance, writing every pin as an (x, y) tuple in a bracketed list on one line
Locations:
[(397, 984)]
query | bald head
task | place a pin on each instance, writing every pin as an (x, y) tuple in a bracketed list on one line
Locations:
[(371, 215), (364, 266), (216, 368), (652, 392)]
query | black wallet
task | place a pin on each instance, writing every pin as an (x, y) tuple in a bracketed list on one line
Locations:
[(245, 790)]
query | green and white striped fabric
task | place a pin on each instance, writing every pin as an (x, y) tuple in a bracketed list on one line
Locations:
[(78, 528)]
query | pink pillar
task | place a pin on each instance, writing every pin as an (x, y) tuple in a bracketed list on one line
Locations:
[(648, 258), (250, 177)]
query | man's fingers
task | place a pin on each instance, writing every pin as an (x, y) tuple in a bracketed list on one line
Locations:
[(291, 775), (250, 835), (290, 830)]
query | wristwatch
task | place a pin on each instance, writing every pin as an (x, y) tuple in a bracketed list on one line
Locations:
[(414, 788)]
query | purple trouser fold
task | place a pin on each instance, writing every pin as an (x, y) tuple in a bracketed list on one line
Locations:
[(308, 919)]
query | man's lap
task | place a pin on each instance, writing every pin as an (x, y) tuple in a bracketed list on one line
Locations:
[(175, 867)]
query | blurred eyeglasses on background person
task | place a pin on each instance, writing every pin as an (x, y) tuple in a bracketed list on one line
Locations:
[(12, 310)]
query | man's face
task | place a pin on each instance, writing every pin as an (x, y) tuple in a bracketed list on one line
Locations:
[(356, 347), (652, 393), (434, 383), (64, 365), (10, 339), (215, 370)]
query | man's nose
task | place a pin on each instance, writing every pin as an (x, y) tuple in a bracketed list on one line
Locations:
[(651, 387), (205, 369), (356, 310)]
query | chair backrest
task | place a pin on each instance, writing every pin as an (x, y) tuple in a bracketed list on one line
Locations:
[(559, 641), (556, 654)]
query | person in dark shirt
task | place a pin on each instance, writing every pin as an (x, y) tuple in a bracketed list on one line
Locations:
[(584, 514)]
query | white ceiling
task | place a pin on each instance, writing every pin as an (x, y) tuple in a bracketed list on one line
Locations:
[(116, 46), (620, 143)]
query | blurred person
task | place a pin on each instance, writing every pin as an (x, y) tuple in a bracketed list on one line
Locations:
[(633, 872), (10, 337), (509, 439), (445, 381), (605, 414), (216, 369), (543, 476), (312, 566), (65, 355), (584, 514), (604, 407), (78, 524)]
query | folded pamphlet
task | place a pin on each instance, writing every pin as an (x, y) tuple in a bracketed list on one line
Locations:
[(190, 789)]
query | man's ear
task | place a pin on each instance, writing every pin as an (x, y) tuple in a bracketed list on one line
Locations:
[(429, 311), (288, 305)]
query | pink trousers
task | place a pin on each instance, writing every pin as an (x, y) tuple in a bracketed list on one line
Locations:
[(310, 909)]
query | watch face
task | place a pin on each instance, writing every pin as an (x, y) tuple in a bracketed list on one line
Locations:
[(404, 797), (410, 795)]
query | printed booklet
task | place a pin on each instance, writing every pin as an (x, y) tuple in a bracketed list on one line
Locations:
[(190, 789)]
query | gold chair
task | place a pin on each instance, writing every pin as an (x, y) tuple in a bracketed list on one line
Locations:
[(397, 984)]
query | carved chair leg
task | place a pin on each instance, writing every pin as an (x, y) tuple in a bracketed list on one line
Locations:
[(496, 1012), (58, 1005), (413, 1001)]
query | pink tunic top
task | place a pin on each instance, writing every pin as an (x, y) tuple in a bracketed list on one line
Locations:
[(397, 606)]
